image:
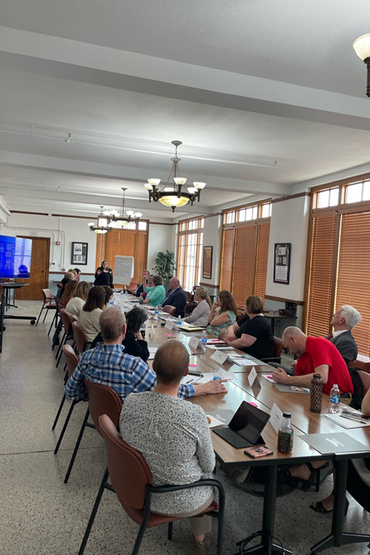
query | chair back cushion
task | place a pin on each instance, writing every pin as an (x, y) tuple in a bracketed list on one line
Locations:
[(169, 309), (79, 336), (103, 400), (365, 378), (48, 296), (278, 346), (71, 358), (65, 319), (127, 468)]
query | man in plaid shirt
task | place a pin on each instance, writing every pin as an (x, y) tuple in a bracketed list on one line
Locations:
[(108, 364)]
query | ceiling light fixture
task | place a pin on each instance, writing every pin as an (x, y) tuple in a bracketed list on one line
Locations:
[(172, 194), (362, 49), (103, 224), (123, 218)]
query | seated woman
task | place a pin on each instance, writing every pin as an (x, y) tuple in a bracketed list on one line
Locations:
[(79, 298), (254, 336), (223, 313), (199, 316), (182, 452), (69, 291), (108, 294), (133, 342), (89, 315), (157, 294)]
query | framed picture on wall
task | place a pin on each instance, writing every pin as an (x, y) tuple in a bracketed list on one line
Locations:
[(79, 253), (207, 262), (282, 253)]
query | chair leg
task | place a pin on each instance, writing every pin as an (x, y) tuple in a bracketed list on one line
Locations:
[(46, 313), (74, 402), (58, 413), (84, 424), (53, 320), (61, 344), (169, 532), (42, 308), (64, 341), (220, 527), (93, 514), (142, 529)]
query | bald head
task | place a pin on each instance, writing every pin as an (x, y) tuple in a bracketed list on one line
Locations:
[(171, 363), (174, 283), (112, 325), (295, 340), (69, 275)]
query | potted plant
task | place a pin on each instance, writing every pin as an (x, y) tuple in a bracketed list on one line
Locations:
[(165, 266)]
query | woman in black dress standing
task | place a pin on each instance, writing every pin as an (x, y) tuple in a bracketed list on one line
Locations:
[(104, 275)]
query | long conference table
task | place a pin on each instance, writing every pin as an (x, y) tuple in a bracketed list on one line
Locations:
[(264, 394)]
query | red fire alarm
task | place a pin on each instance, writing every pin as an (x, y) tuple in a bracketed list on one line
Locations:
[(57, 243)]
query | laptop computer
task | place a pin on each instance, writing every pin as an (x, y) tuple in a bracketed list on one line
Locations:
[(244, 429)]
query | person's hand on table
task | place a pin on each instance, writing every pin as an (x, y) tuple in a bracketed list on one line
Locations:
[(210, 388), (280, 376)]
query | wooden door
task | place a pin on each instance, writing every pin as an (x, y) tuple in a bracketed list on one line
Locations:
[(39, 275)]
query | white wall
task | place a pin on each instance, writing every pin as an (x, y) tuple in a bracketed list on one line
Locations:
[(212, 236)]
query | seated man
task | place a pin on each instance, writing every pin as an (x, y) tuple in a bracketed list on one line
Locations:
[(68, 276), (107, 364), (343, 321), (175, 297), (316, 355), (174, 438), (140, 289)]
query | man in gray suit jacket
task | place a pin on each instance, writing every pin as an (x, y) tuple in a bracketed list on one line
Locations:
[(343, 321)]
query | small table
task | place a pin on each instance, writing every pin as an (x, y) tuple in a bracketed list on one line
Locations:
[(275, 317)]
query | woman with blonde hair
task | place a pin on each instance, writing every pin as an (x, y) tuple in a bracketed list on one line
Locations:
[(254, 336), (223, 313), (199, 316), (79, 298)]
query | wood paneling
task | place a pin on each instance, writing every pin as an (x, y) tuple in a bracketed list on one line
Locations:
[(244, 263)]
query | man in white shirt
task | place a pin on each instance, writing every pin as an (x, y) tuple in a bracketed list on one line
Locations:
[(343, 321)]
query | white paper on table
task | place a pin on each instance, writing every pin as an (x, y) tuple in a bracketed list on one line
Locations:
[(223, 374), (276, 417), (252, 376), (268, 377), (345, 422), (208, 377), (242, 361), (214, 422), (219, 357), (152, 351), (189, 379), (216, 348)]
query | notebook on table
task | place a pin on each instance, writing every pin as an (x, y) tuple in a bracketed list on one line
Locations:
[(245, 428)]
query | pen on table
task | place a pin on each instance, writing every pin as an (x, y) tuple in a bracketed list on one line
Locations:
[(354, 418)]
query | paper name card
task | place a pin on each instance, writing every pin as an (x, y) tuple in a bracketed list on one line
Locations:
[(219, 357), (276, 417), (194, 342), (169, 325), (252, 376)]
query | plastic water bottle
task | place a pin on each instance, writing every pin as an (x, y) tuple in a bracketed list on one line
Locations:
[(203, 342), (156, 312), (334, 399), (178, 324)]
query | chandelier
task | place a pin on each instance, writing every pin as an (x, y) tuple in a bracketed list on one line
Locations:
[(362, 49), (172, 195), (102, 225), (117, 220)]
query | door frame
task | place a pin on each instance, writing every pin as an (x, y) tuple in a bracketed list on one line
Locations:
[(47, 239)]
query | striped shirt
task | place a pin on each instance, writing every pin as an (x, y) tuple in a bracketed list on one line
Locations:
[(109, 365)]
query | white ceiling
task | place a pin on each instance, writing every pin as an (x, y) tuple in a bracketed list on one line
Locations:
[(237, 82)]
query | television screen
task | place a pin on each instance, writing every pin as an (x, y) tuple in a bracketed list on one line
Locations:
[(15, 257)]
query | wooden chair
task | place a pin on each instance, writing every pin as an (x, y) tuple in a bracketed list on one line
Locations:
[(189, 296), (278, 348), (102, 400), (80, 338), (132, 482), (360, 365), (48, 304), (133, 286), (169, 309), (72, 361)]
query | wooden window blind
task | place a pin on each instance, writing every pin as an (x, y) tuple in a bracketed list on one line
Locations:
[(125, 243), (321, 275), (353, 281), (227, 256), (244, 263), (263, 238)]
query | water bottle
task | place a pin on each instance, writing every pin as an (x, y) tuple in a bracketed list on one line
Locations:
[(203, 342), (285, 435), (178, 324), (122, 291), (156, 312), (334, 399), (316, 393)]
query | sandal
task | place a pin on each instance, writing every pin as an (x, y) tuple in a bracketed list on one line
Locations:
[(318, 507), (299, 483)]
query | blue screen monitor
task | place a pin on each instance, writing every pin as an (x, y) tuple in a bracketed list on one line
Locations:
[(15, 257)]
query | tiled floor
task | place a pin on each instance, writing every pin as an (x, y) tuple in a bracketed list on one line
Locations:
[(39, 515)]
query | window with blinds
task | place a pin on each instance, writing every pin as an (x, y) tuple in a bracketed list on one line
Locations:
[(189, 252), (244, 255), (124, 242), (338, 258)]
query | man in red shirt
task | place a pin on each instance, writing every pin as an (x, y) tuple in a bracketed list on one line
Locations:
[(316, 355)]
